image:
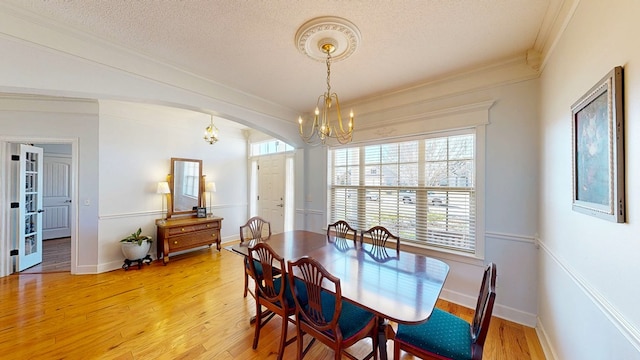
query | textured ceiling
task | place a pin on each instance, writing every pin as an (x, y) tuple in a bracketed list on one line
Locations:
[(249, 44)]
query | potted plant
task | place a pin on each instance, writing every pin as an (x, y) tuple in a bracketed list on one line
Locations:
[(136, 246)]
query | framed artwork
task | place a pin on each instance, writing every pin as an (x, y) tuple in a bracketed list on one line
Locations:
[(598, 150)]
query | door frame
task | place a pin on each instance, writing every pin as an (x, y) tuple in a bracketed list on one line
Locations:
[(6, 260)]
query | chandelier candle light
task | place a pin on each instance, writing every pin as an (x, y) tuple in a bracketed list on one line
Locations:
[(335, 38)]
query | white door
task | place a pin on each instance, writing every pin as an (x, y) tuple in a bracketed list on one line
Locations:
[(271, 187), (29, 232), (56, 197)]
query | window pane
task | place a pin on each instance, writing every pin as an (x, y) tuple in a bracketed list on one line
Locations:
[(422, 190)]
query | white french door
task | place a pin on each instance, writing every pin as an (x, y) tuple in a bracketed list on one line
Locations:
[(29, 196)]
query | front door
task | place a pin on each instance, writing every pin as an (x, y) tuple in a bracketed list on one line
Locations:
[(28, 235), (56, 197), (271, 186)]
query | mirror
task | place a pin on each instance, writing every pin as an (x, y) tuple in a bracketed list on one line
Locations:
[(186, 185)]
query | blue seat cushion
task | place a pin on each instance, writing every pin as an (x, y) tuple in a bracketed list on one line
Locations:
[(352, 318), (300, 288), (257, 264), (443, 334)]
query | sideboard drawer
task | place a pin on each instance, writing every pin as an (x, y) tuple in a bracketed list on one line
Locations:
[(180, 230), (189, 241), (181, 234)]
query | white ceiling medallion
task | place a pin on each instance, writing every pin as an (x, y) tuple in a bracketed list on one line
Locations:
[(339, 32)]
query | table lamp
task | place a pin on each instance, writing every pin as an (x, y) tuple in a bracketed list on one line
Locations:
[(163, 189)]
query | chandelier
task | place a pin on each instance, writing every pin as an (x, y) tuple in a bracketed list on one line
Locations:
[(211, 133), (328, 39)]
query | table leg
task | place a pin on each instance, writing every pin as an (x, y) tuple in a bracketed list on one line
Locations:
[(382, 338)]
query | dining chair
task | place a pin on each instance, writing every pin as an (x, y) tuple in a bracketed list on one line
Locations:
[(379, 237), (342, 231), (326, 317), (446, 336), (272, 292), (255, 228)]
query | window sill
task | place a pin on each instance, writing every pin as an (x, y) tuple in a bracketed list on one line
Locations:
[(442, 254)]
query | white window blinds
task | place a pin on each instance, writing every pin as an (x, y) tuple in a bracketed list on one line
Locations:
[(422, 190)]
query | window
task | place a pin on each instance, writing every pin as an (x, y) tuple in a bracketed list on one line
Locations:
[(423, 190), (269, 147)]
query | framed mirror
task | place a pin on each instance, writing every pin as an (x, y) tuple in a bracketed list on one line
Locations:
[(186, 185)]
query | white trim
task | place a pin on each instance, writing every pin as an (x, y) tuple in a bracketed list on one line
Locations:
[(628, 330), (549, 353), (5, 194), (512, 237), (501, 311)]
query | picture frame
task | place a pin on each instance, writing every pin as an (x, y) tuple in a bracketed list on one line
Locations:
[(201, 212), (598, 150)]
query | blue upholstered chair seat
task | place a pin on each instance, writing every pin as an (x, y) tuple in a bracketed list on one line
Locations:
[(300, 288), (443, 334), (352, 318), (256, 263)]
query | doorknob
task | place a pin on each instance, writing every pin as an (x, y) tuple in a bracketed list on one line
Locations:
[(280, 205), (40, 211), (67, 201)]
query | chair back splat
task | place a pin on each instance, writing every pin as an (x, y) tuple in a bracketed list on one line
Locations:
[(341, 231), (379, 236), (256, 228)]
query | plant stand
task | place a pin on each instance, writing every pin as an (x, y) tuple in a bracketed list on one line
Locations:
[(145, 260)]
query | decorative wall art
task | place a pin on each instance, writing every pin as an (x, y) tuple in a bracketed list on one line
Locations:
[(598, 150)]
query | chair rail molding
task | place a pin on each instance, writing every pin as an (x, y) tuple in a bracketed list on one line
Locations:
[(628, 330)]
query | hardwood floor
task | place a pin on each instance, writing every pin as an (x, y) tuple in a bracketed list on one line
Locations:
[(56, 257), (190, 309)]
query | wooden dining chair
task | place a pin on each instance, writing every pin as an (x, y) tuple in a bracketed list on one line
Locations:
[(272, 292), (326, 317), (446, 336), (379, 237), (341, 231), (255, 228)]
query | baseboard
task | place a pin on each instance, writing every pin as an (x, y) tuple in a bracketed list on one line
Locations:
[(501, 311), (549, 354)]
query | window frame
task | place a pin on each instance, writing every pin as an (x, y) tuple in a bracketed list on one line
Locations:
[(478, 189)]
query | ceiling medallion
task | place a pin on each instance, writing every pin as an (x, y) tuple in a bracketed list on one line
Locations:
[(339, 32)]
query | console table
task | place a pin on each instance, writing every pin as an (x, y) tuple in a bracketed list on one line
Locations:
[(179, 234)]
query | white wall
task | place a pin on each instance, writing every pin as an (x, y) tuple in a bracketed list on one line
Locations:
[(588, 298), (32, 119), (137, 142)]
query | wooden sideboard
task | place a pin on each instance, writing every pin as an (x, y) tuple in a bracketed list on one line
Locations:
[(179, 234)]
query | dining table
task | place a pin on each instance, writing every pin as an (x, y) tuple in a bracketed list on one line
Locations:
[(398, 286)]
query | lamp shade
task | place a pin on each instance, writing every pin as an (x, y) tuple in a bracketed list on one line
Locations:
[(163, 187), (210, 187)]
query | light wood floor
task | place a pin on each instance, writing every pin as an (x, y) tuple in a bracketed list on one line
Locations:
[(190, 309), (56, 257)]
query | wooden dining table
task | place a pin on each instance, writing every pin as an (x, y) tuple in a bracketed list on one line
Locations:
[(398, 286)]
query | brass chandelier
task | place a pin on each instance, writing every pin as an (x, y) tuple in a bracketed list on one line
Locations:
[(322, 128), (327, 39)]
